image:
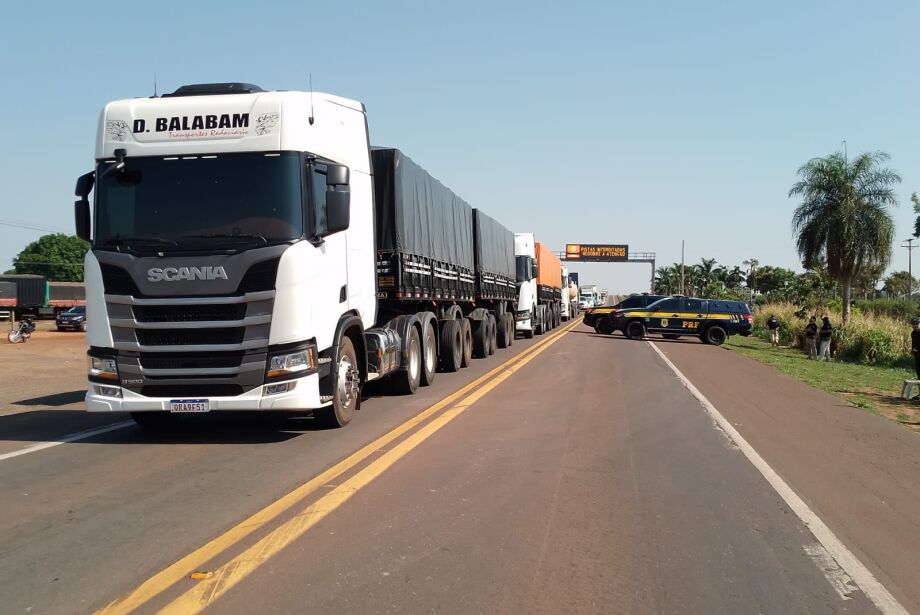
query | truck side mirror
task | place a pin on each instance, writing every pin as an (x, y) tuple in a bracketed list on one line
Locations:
[(338, 198), (81, 206), (336, 175), (338, 210)]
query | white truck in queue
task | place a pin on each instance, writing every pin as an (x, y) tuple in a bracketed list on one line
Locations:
[(588, 296), (251, 251), (539, 277), (569, 304)]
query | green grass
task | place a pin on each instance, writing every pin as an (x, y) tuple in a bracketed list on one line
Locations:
[(863, 386)]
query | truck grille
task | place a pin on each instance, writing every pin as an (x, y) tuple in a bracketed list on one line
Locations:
[(190, 337), (189, 313), (190, 360)]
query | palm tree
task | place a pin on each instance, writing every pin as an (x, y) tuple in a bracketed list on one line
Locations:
[(844, 215), (734, 277)]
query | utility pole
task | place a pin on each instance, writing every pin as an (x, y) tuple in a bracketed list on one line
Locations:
[(909, 244), (682, 268)]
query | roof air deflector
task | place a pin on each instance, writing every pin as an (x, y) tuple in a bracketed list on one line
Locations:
[(215, 89)]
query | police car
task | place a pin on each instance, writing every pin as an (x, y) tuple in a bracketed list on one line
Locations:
[(712, 320), (602, 318)]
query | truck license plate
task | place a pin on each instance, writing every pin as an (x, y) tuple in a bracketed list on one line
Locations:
[(189, 405)]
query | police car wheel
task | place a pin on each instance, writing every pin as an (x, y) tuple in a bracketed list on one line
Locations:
[(605, 326), (635, 330), (715, 336)]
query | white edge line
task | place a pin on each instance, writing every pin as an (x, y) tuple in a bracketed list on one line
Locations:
[(861, 575), (82, 435)]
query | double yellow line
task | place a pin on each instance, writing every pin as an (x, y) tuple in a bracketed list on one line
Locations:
[(224, 577)]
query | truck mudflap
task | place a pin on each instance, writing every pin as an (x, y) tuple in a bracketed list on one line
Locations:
[(303, 394)]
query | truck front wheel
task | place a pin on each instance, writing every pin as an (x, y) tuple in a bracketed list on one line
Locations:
[(347, 388)]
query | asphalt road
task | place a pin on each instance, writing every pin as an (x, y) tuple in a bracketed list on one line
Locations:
[(585, 478)]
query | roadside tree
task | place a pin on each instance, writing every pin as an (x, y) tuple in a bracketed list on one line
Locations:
[(843, 218), (58, 257)]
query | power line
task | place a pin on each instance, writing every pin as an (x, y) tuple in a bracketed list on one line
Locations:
[(28, 225)]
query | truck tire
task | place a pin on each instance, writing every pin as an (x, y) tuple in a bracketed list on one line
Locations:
[(155, 420), (480, 338), (540, 326), (503, 338), (467, 335), (451, 354), (528, 333), (715, 335), (493, 334), (405, 382), (509, 326), (346, 388), (430, 354), (635, 330)]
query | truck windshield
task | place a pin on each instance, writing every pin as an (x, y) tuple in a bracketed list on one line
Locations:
[(195, 202), (522, 265)]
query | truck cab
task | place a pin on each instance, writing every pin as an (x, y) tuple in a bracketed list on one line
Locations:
[(232, 244), (525, 262)]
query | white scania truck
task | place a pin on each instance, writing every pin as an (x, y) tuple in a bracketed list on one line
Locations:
[(251, 251), (539, 280)]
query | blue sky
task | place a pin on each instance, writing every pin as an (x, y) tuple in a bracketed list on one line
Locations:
[(592, 122)]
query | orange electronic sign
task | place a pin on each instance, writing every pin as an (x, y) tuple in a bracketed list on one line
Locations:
[(596, 252)]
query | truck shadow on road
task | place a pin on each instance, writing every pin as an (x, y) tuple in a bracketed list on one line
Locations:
[(56, 399), (215, 428)]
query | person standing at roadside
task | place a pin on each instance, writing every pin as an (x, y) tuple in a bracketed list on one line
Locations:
[(811, 333), (915, 344), (825, 333), (773, 326)]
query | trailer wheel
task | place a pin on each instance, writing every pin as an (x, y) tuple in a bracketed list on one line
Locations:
[(406, 382), (430, 355), (451, 347), (155, 420), (480, 338), (467, 331), (504, 340), (539, 323), (347, 388), (509, 327), (635, 330), (493, 334)]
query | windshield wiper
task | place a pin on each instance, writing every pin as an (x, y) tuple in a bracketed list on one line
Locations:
[(245, 236), (126, 241)]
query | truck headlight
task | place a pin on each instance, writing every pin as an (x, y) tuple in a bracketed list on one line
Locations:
[(290, 363), (103, 367)]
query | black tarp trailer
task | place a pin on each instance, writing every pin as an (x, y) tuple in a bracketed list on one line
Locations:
[(494, 252), (424, 234), (426, 269)]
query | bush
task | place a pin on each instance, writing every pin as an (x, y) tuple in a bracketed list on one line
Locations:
[(902, 309)]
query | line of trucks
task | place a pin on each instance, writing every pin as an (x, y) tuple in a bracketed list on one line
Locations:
[(252, 251), (27, 294)]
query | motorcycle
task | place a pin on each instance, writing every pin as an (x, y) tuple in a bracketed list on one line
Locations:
[(23, 332)]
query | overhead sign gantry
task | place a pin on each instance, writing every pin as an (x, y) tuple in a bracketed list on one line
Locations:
[(608, 253)]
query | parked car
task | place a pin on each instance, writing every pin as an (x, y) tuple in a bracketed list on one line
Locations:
[(73, 319)]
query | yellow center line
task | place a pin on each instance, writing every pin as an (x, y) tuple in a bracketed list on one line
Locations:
[(179, 570), (230, 574)]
